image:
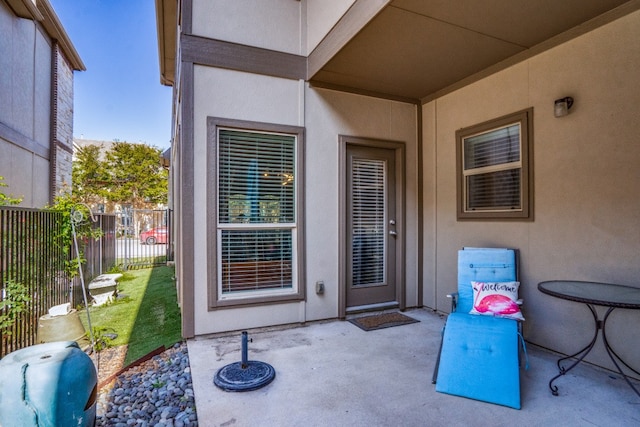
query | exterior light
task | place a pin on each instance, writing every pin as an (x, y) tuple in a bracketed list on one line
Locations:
[(561, 106)]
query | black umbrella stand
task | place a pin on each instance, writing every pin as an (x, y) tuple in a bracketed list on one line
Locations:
[(246, 375)]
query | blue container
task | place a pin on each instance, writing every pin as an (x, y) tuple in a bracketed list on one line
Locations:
[(52, 384)]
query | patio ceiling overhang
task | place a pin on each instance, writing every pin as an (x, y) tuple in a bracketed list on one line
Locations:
[(418, 50)]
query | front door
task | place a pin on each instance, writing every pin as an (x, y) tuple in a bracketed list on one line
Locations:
[(371, 227)]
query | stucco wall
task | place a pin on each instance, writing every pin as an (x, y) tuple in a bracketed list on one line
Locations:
[(321, 16), (283, 25), (25, 110), (328, 115), (241, 96), (585, 224), (325, 115), (274, 25), (586, 179), (279, 26)]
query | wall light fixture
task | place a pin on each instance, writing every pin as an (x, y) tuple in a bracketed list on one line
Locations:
[(561, 106)]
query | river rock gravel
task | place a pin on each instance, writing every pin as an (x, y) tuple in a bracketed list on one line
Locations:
[(157, 392)]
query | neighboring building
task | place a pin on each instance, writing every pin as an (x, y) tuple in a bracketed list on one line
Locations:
[(37, 60), (317, 156), (79, 143)]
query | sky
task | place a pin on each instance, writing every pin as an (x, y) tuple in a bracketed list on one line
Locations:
[(119, 96)]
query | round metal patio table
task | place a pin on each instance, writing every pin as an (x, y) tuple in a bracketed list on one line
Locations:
[(592, 294)]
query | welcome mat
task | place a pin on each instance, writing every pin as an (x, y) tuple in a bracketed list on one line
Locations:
[(381, 321)]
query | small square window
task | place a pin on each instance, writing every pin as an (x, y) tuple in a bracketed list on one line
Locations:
[(493, 168)]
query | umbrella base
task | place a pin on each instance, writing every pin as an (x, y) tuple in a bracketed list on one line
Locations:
[(251, 375)]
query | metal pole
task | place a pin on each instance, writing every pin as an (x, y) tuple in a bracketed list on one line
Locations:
[(245, 350), (75, 218)]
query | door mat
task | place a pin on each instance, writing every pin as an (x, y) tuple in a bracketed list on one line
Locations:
[(381, 321)]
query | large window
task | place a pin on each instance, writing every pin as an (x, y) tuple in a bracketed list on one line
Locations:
[(257, 204), (494, 170)]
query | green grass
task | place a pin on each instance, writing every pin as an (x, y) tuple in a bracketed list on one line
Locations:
[(145, 316)]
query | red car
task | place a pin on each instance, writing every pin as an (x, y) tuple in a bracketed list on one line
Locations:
[(153, 236)]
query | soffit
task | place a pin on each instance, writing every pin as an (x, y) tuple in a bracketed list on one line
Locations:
[(414, 48), (166, 21), (42, 11), (57, 32)]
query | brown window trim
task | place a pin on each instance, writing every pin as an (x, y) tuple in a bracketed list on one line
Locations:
[(525, 118), (213, 123)]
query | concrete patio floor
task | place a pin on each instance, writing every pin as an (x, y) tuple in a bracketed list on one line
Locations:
[(335, 374)]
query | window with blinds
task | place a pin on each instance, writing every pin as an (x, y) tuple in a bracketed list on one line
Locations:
[(368, 211), (256, 211), (493, 168)]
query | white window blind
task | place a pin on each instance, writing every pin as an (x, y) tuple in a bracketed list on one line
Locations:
[(492, 170), (256, 177), (256, 211), (256, 260), (368, 210)]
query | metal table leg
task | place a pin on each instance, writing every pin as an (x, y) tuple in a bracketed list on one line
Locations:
[(615, 358), (613, 355), (582, 353)]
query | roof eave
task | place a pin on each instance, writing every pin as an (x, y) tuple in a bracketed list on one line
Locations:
[(56, 31), (166, 19)]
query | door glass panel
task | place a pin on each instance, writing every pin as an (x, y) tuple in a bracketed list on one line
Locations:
[(368, 210)]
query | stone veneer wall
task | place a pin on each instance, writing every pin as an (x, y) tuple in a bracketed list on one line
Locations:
[(62, 124)]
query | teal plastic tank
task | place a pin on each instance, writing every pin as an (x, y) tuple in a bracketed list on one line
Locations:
[(46, 385)]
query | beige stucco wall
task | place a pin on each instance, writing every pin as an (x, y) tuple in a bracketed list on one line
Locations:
[(321, 16), (241, 96), (282, 25), (585, 224), (586, 175), (328, 115), (274, 24), (325, 115)]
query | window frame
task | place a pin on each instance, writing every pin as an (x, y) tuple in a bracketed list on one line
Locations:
[(216, 299), (525, 119)]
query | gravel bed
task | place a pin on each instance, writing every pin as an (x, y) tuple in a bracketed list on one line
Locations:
[(157, 392)]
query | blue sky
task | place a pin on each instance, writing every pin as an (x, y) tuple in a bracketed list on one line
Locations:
[(119, 96)]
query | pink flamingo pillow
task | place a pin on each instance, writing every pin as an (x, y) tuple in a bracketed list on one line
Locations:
[(496, 299)]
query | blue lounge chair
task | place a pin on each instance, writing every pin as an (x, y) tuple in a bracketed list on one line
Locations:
[(479, 354)]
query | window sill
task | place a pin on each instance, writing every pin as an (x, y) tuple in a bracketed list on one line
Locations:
[(254, 301)]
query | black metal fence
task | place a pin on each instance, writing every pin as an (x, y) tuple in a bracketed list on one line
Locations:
[(100, 254), (143, 238), (33, 269)]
